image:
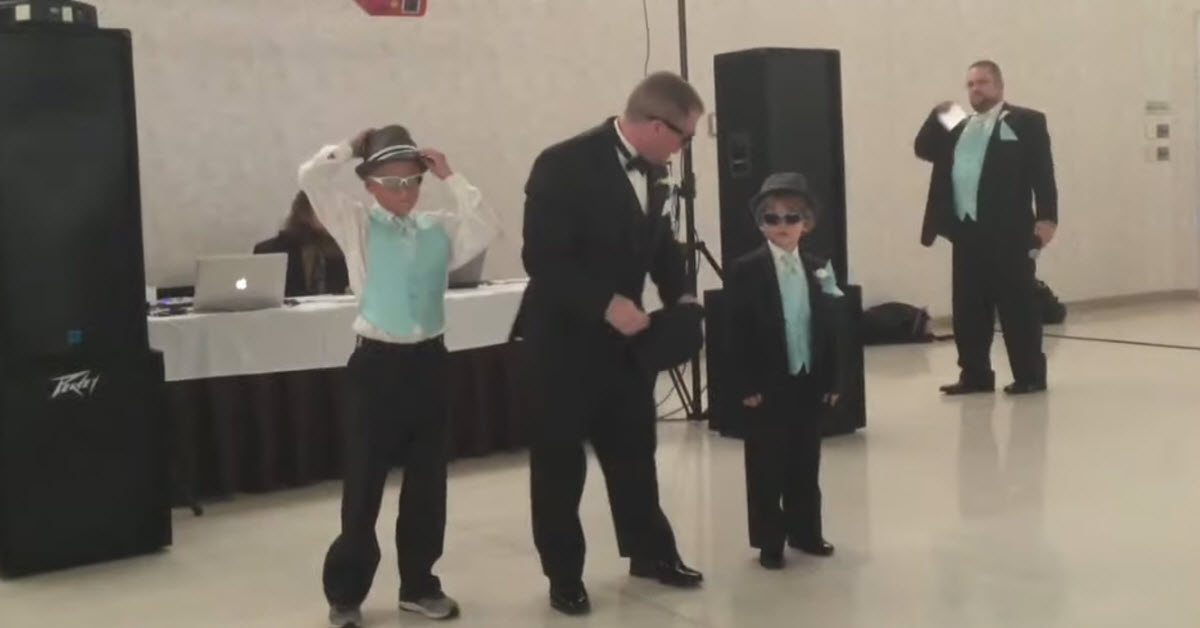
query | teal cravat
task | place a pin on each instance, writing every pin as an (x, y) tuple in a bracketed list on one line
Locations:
[(797, 313), (968, 166)]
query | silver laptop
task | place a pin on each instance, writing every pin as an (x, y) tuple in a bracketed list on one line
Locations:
[(469, 275), (230, 283)]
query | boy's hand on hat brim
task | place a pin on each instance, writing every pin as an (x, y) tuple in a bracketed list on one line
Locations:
[(436, 161), (358, 145)]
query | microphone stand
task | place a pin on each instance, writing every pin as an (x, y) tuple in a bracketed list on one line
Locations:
[(693, 245)]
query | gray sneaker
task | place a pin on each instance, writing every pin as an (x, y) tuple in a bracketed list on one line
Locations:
[(345, 617), (437, 606)]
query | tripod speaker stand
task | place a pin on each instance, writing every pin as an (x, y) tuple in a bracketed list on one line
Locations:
[(685, 196)]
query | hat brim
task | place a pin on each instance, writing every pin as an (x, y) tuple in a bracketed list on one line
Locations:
[(365, 169), (789, 190)]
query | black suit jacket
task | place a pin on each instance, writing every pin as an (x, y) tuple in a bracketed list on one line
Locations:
[(337, 279), (586, 238), (1015, 173), (757, 337)]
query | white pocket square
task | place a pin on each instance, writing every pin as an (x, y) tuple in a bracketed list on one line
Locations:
[(1006, 133)]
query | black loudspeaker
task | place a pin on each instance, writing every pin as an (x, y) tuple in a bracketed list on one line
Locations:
[(84, 475), (850, 414), (725, 411), (71, 261), (780, 109), (47, 12)]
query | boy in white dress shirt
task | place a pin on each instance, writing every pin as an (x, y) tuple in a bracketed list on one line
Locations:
[(398, 261)]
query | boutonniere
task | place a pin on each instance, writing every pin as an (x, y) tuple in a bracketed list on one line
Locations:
[(821, 273)]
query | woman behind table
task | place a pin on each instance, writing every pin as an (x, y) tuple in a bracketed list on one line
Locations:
[(316, 264)]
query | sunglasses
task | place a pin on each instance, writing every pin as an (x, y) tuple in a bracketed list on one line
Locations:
[(684, 137), (397, 184), (776, 219)]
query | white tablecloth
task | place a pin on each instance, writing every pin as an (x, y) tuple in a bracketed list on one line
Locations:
[(315, 334)]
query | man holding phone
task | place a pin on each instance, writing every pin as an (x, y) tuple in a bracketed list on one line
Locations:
[(399, 260), (989, 169)]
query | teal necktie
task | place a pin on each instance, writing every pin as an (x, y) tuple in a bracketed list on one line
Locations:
[(797, 313), (969, 153)]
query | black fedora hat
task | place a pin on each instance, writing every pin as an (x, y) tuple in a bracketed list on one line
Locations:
[(386, 145), (675, 335), (783, 183)]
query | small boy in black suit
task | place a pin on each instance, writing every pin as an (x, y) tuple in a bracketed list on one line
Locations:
[(786, 331)]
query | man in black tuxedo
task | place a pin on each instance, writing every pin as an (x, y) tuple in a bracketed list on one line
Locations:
[(593, 227), (987, 172)]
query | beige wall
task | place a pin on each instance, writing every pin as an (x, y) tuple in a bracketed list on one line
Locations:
[(1128, 226), (232, 94)]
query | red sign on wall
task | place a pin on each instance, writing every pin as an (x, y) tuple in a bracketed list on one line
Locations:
[(394, 8)]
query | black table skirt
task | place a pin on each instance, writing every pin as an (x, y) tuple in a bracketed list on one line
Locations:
[(263, 433)]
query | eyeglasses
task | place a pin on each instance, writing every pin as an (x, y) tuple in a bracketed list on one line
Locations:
[(776, 219), (685, 138), (397, 184)]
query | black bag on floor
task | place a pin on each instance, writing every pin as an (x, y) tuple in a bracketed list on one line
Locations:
[(895, 323), (1052, 311)]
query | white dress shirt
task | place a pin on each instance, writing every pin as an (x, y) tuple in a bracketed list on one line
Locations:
[(471, 227), (988, 118), (636, 178), (824, 275)]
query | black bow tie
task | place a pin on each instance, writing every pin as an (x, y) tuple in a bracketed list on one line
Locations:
[(634, 162), (639, 163)]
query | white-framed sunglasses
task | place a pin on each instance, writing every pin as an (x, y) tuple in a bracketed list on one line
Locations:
[(396, 184)]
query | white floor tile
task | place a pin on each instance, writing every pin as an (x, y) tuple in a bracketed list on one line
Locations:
[(1076, 508)]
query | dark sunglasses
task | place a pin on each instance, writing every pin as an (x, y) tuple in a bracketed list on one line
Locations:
[(684, 137), (775, 219)]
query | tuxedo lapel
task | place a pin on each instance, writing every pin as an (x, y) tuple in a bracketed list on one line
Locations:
[(994, 141), (957, 132), (772, 298), (658, 191)]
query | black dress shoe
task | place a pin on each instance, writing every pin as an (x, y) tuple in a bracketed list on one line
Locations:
[(820, 547), (672, 573), (966, 388), (771, 559), (1023, 388), (570, 599)]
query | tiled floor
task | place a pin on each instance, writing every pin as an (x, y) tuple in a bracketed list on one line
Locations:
[(1079, 508)]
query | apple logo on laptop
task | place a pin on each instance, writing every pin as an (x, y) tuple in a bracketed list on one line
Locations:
[(240, 284)]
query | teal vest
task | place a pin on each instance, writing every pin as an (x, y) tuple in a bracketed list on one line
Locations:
[(797, 314), (969, 154), (796, 293), (407, 260)]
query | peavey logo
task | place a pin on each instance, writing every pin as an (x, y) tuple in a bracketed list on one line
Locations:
[(81, 384)]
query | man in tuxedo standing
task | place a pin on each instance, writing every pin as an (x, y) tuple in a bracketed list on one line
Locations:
[(594, 226), (988, 171)]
